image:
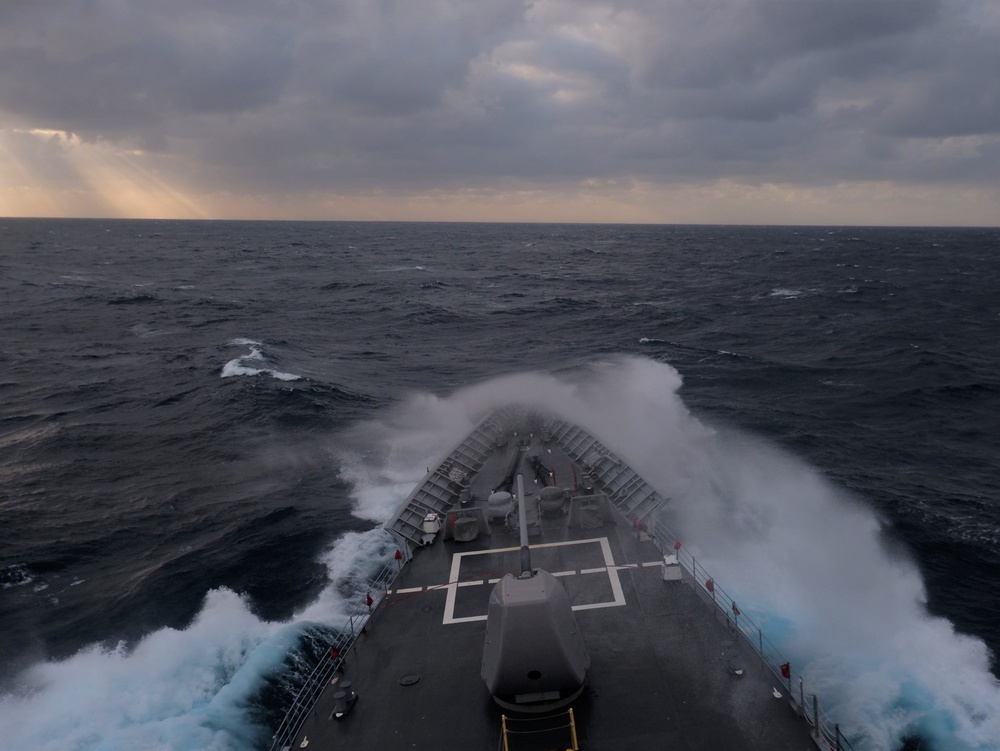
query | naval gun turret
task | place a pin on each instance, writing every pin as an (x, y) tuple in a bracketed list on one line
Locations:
[(534, 658)]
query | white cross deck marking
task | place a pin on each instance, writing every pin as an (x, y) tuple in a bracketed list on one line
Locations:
[(608, 568)]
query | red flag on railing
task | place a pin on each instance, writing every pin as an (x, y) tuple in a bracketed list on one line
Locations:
[(736, 610), (369, 600), (334, 652), (399, 555), (786, 670), (710, 585), (677, 544)]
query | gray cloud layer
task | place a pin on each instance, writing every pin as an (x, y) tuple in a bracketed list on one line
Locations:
[(360, 94)]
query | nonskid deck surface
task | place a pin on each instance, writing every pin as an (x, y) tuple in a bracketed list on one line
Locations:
[(661, 672)]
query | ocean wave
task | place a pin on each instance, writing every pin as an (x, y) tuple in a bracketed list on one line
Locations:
[(191, 688), (785, 293), (252, 364), (15, 575), (136, 299)]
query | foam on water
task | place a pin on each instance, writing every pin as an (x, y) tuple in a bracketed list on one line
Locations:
[(163, 694), (178, 690), (793, 544), (250, 364)]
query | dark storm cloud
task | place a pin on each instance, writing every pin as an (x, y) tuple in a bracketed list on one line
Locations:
[(444, 93)]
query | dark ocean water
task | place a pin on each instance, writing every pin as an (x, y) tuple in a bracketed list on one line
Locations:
[(203, 422)]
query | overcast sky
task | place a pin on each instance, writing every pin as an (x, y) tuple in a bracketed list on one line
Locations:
[(719, 111)]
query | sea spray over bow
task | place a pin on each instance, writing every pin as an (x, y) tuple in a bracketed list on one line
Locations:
[(811, 562)]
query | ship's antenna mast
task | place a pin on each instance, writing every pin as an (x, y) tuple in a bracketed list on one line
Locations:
[(522, 520)]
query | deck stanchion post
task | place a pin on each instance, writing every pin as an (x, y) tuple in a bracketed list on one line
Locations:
[(760, 642), (503, 730), (836, 729), (802, 696), (816, 715), (572, 729)]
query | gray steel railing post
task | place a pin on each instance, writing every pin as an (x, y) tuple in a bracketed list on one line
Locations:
[(816, 715), (802, 696)]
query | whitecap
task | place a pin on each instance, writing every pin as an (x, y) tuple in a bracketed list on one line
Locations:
[(15, 575), (237, 368), (245, 365), (787, 293), (180, 690)]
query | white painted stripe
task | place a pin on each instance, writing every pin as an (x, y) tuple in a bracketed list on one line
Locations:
[(598, 605), (650, 564), (601, 540), (449, 600), (409, 590), (468, 619), (609, 560), (610, 568), (591, 606)]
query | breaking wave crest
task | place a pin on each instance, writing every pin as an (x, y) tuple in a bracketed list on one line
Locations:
[(196, 689), (253, 363)]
